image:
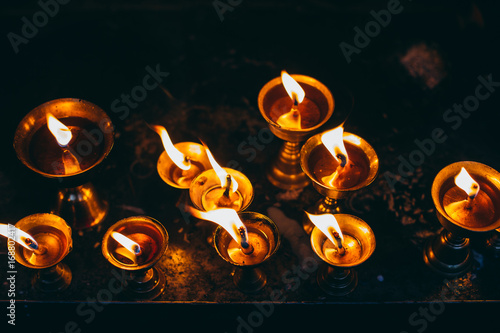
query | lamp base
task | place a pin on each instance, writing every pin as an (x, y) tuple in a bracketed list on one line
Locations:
[(249, 280), (286, 172), (80, 206), (53, 279), (145, 285), (448, 255), (324, 206), (337, 281)]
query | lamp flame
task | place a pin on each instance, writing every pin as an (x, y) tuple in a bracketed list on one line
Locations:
[(466, 183), (333, 141), (328, 225), (177, 157), (59, 130), (130, 248), (293, 89), (221, 173), (292, 119), (19, 236), (226, 218)]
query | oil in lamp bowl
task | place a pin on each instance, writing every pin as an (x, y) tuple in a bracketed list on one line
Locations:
[(285, 171), (340, 278), (146, 281), (208, 181), (53, 236), (172, 175), (449, 252), (265, 237), (77, 201)]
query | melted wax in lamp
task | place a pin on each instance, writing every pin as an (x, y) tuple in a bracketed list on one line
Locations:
[(467, 204)]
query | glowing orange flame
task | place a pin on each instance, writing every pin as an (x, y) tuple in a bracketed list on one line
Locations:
[(59, 130), (19, 236), (333, 140), (130, 248), (292, 119), (221, 173), (175, 155), (328, 225), (466, 183), (225, 217), (293, 89)]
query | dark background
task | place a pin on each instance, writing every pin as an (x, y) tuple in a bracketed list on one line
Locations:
[(424, 61)]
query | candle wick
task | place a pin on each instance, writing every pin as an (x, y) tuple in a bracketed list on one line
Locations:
[(187, 160), (31, 244), (339, 243), (136, 249), (343, 159), (228, 185), (246, 247)]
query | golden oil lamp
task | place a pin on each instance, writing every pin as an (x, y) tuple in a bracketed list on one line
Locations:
[(66, 139), (179, 164), (245, 240), (135, 244), (294, 106), (342, 241), (338, 163), (221, 188), (42, 241), (467, 197)]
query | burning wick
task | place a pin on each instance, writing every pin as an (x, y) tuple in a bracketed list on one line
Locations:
[(228, 185), (22, 238), (339, 243), (246, 247)]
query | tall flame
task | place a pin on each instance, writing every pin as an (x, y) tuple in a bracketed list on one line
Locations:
[(221, 173), (466, 183), (177, 157), (59, 130), (19, 236), (130, 248), (333, 140), (225, 217), (292, 119), (328, 225), (293, 89)]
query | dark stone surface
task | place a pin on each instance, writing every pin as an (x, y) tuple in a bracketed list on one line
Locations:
[(424, 61)]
